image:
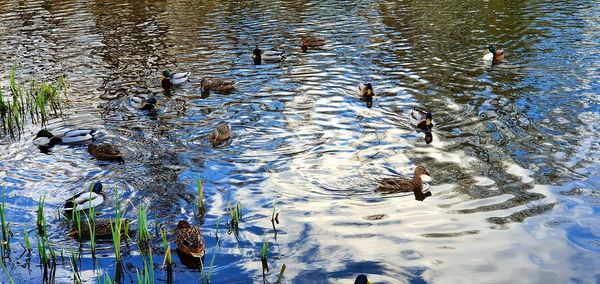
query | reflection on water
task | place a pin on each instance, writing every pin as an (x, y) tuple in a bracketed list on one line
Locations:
[(514, 153)]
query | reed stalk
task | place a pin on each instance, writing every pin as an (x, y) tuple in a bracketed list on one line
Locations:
[(280, 274), (41, 220), (27, 241), (143, 232), (167, 261), (5, 225), (6, 272), (200, 187), (116, 230)]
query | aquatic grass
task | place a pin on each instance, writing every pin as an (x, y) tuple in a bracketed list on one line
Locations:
[(105, 279), (143, 232), (41, 220), (91, 222), (200, 187), (206, 276), (280, 274), (167, 261), (217, 232), (116, 229), (42, 251), (76, 217), (26, 240), (236, 214), (147, 275), (6, 272), (5, 225), (76, 277), (263, 255)]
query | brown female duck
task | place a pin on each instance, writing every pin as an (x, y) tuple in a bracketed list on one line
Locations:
[(189, 240), (105, 152), (102, 229), (217, 85), (308, 41), (415, 184), (220, 134)]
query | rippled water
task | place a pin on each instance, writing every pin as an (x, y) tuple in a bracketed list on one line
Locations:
[(514, 158)]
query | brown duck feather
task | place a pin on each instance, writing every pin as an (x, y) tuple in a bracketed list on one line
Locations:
[(189, 240), (220, 134), (390, 185), (106, 152), (217, 85)]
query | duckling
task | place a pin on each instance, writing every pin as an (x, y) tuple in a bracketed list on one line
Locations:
[(422, 119), (402, 184), (169, 79), (102, 229), (72, 136), (142, 102), (217, 85), (494, 55), (189, 240), (84, 200), (307, 42), (365, 90), (220, 134), (361, 279), (105, 152), (268, 56)]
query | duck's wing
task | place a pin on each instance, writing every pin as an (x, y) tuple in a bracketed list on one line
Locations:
[(86, 199), (78, 135), (191, 241), (390, 185), (137, 101), (179, 78)]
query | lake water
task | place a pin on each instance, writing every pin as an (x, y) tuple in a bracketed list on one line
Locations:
[(515, 155)]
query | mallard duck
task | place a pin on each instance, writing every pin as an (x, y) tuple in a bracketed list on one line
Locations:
[(494, 55), (365, 90), (72, 136), (102, 229), (268, 56), (428, 137), (422, 119), (361, 279), (168, 79), (217, 85), (189, 240), (84, 200), (220, 134), (105, 152), (307, 42), (142, 102), (403, 184)]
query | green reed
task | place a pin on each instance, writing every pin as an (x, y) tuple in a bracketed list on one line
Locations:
[(6, 272), (236, 214), (5, 225), (106, 279), (167, 261), (143, 232), (200, 187), (41, 246), (26, 240), (265, 249), (91, 222), (280, 274), (76, 217), (73, 259), (116, 229), (206, 276), (41, 220), (147, 275)]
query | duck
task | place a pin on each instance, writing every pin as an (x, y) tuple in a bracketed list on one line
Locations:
[(84, 200), (422, 119), (308, 41), (189, 240), (217, 85), (169, 79), (102, 229), (220, 134), (143, 102), (391, 185), (494, 55), (105, 152), (428, 137), (268, 56), (365, 90), (361, 279), (69, 137)]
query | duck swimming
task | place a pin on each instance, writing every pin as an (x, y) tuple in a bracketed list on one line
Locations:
[(143, 102), (391, 185), (217, 85), (169, 79), (365, 90), (105, 152), (268, 56), (308, 41), (85, 200), (69, 137), (494, 55), (422, 119), (220, 134), (361, 279), (102, 229), (189, 240)]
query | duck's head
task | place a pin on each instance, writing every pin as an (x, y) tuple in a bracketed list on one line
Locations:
[(369, 90), (97, 188), (428, 119), (256, 53), (43, 133), (492, 49), (428, 137), (166, 74), (361, 279), (151, 101), (183, 225), (421, 172)]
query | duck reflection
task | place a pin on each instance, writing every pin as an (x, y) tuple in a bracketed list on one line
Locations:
[(368, 100), (397, 184), (428, 137)]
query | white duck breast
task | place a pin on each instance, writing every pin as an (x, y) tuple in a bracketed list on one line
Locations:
[(84, 202), (137, 101), (488, 56), (273, 55), (80, 135), (179, 78), (361, 88)]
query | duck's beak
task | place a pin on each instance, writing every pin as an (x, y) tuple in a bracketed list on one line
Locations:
[(369, 92), (253, 55), (428, 122), (35, 138), (162, 77)]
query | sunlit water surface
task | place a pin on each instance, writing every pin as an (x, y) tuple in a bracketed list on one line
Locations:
[(514, 160)]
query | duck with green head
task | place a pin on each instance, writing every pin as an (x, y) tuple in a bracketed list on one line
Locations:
[(258, 56), (169, 79), (69, 137), (86, 199), (422, 119), (493, 55), (143, 102)]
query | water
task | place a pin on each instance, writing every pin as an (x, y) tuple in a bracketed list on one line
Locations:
[(514, 158)]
